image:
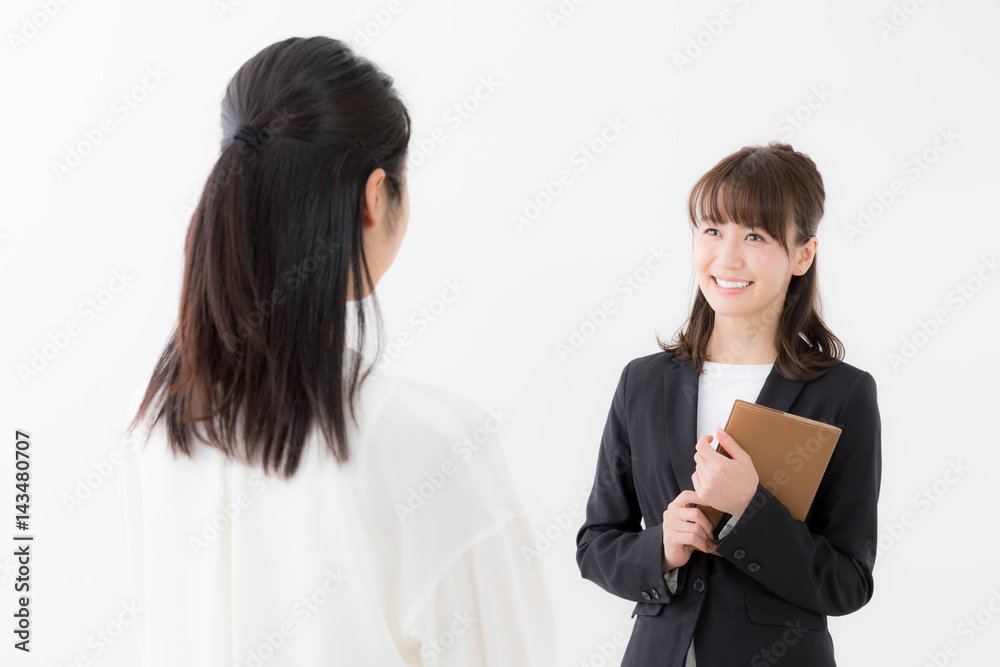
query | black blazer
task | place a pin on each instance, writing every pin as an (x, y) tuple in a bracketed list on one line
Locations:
[(765, 601)]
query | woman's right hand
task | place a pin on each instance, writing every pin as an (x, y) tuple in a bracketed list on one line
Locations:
[(684, 530)]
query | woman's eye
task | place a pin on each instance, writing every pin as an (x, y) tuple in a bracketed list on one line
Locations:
[(758, 236), (710, 231)]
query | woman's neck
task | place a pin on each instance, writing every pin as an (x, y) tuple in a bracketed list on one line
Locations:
[(738, 342)]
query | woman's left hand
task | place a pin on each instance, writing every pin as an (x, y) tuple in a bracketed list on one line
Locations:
[(726, 484)]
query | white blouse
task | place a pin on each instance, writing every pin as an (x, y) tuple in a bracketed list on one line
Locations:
[(719, 385), (408, 555)]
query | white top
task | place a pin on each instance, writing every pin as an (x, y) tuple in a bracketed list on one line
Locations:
[(719, 385), (410, 554)]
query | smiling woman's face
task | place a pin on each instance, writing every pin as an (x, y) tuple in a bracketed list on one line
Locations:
[(742, 271)]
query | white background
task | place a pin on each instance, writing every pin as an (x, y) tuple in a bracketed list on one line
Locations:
[(878, 97)]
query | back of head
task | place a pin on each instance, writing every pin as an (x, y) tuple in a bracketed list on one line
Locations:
[(271, 248)]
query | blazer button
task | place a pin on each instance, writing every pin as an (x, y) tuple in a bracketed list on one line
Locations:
[(645, 595), (656, 594), (739, 553), (699, 585), (753, 567)]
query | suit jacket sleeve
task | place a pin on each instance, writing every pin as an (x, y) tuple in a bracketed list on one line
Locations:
[(613, 549), (824, 565)]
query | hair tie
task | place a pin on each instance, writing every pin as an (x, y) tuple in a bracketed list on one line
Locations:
[(250, 135)]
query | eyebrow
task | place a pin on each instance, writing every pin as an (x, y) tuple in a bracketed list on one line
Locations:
[(755, 227)]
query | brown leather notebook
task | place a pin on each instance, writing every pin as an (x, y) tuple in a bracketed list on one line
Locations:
[(789, 452)]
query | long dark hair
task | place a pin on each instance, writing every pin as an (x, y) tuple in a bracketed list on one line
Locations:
[(260, 341), (775, 188)]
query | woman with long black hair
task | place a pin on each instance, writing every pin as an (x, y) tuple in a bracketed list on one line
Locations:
[(284, 507), (755, 588)]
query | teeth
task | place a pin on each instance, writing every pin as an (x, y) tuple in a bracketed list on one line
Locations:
[(723, 283)]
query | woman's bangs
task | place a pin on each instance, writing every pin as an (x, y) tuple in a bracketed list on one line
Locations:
[(747, 199)]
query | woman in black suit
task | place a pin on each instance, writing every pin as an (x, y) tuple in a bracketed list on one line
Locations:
[(755, 323)]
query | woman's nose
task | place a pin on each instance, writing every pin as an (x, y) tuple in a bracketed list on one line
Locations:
[(729, 255)]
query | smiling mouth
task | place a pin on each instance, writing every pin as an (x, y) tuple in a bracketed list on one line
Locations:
[(732, 284)]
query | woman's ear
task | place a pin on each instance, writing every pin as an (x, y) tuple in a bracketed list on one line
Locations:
[(804, 256), (375, 197)]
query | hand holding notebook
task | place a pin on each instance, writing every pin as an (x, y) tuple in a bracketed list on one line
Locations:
[(790, 453)]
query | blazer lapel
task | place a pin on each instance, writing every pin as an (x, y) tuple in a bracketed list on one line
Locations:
[(778, 392), (680, 415), (680, 391)]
